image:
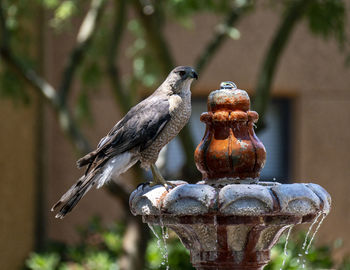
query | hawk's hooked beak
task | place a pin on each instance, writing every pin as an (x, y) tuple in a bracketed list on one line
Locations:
[(194, 75)]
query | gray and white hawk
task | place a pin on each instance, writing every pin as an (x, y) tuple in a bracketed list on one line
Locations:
[(138, 136)]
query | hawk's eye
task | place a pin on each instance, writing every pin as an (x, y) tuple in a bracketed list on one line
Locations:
[(182, 73)]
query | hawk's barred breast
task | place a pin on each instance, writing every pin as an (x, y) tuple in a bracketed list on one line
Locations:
[(180, 111)]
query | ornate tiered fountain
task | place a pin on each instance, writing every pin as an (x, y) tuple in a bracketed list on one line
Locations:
[(230, 220)]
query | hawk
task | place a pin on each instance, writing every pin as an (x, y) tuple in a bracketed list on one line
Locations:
[(138, 136)]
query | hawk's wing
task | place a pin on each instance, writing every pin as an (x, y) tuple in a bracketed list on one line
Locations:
[(139, 127)]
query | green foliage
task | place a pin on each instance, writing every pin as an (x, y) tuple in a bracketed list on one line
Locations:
[(13, 88), (63, 11), (83, 107), (46, 261), (19, 24), (178, 255), (100, 261), (100, 247), (327, 18), (182, 11), (186, 8), (145, 69), (90, 75), (317, 257)]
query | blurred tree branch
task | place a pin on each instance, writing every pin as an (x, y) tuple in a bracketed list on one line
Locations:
[(155, 37), (4, 33), (123, 99), (220, 35), (85, 36), (289, 20), (67, 124)]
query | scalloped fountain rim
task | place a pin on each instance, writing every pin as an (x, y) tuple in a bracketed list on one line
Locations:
[(245, 200)]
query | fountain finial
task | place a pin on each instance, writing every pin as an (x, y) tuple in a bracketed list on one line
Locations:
[(230, 152), (228, 85)]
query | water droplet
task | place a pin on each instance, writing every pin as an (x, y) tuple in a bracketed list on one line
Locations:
[(299, 255), (166, 235)]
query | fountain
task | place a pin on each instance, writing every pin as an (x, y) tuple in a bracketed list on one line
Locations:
[(230, 219)]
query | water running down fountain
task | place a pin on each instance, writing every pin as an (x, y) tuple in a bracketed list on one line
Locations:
[(230, 220)]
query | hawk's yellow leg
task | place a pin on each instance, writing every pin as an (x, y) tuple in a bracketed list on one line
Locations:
[(158, 179)]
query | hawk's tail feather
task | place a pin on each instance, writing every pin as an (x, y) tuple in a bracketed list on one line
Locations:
[(70, 199), (103, 172), (87, 159)]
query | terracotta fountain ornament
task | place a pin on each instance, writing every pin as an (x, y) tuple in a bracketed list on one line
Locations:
[(230, 220)]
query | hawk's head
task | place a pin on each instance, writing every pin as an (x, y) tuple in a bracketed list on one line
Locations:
[(180, 78)]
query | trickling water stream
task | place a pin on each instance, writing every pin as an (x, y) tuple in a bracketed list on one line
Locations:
[(285, 246), (165, 236), (315, 232), (164, 250), (306, 246), (309, 230)]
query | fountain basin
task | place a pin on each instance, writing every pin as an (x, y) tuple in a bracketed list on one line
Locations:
[(230, 227), (230, 220)]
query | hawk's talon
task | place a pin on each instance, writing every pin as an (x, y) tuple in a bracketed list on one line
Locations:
[(167, 185), (158, 179), (142, 185)]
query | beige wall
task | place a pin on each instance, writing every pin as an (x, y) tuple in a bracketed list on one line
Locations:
[(17, 192), (323, 148)]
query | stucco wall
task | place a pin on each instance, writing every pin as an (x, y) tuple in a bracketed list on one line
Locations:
[(17, 192)]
